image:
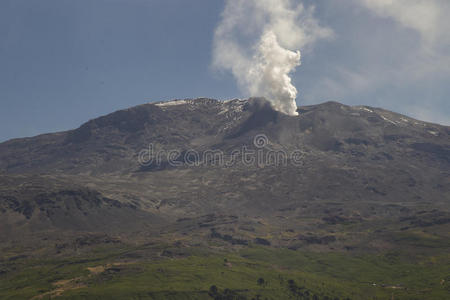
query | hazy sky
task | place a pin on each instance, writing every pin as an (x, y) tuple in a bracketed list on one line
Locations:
[(63, 62)]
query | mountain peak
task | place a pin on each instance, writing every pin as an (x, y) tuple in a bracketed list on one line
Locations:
[(111, 143)]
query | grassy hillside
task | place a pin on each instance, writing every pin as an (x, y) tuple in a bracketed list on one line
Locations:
[(246, 273)]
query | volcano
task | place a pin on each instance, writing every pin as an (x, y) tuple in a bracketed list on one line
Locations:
[(368, 181)]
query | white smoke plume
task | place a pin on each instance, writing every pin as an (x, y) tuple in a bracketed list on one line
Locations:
[(258, 41)]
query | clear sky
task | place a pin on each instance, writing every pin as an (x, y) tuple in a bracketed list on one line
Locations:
[(63, 62)]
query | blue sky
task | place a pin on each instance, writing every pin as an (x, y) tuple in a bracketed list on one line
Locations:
[(63, 62)]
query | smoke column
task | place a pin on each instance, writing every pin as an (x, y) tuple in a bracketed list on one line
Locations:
[(254, 41)]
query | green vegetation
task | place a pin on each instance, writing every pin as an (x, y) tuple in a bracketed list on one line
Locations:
[(248, 273)]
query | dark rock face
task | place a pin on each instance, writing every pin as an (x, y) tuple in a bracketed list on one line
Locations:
[(33, 204), (261, 115), (110, 143), (353, 156), (261, 241)]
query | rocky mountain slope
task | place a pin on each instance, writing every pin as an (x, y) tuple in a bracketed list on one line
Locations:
[(331, 128), (343, 152), (180, 178)]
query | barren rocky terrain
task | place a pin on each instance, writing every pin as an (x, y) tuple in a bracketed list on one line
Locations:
[(339, 202)]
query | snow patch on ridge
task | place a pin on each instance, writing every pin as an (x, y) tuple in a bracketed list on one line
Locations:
[(171, 103)]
